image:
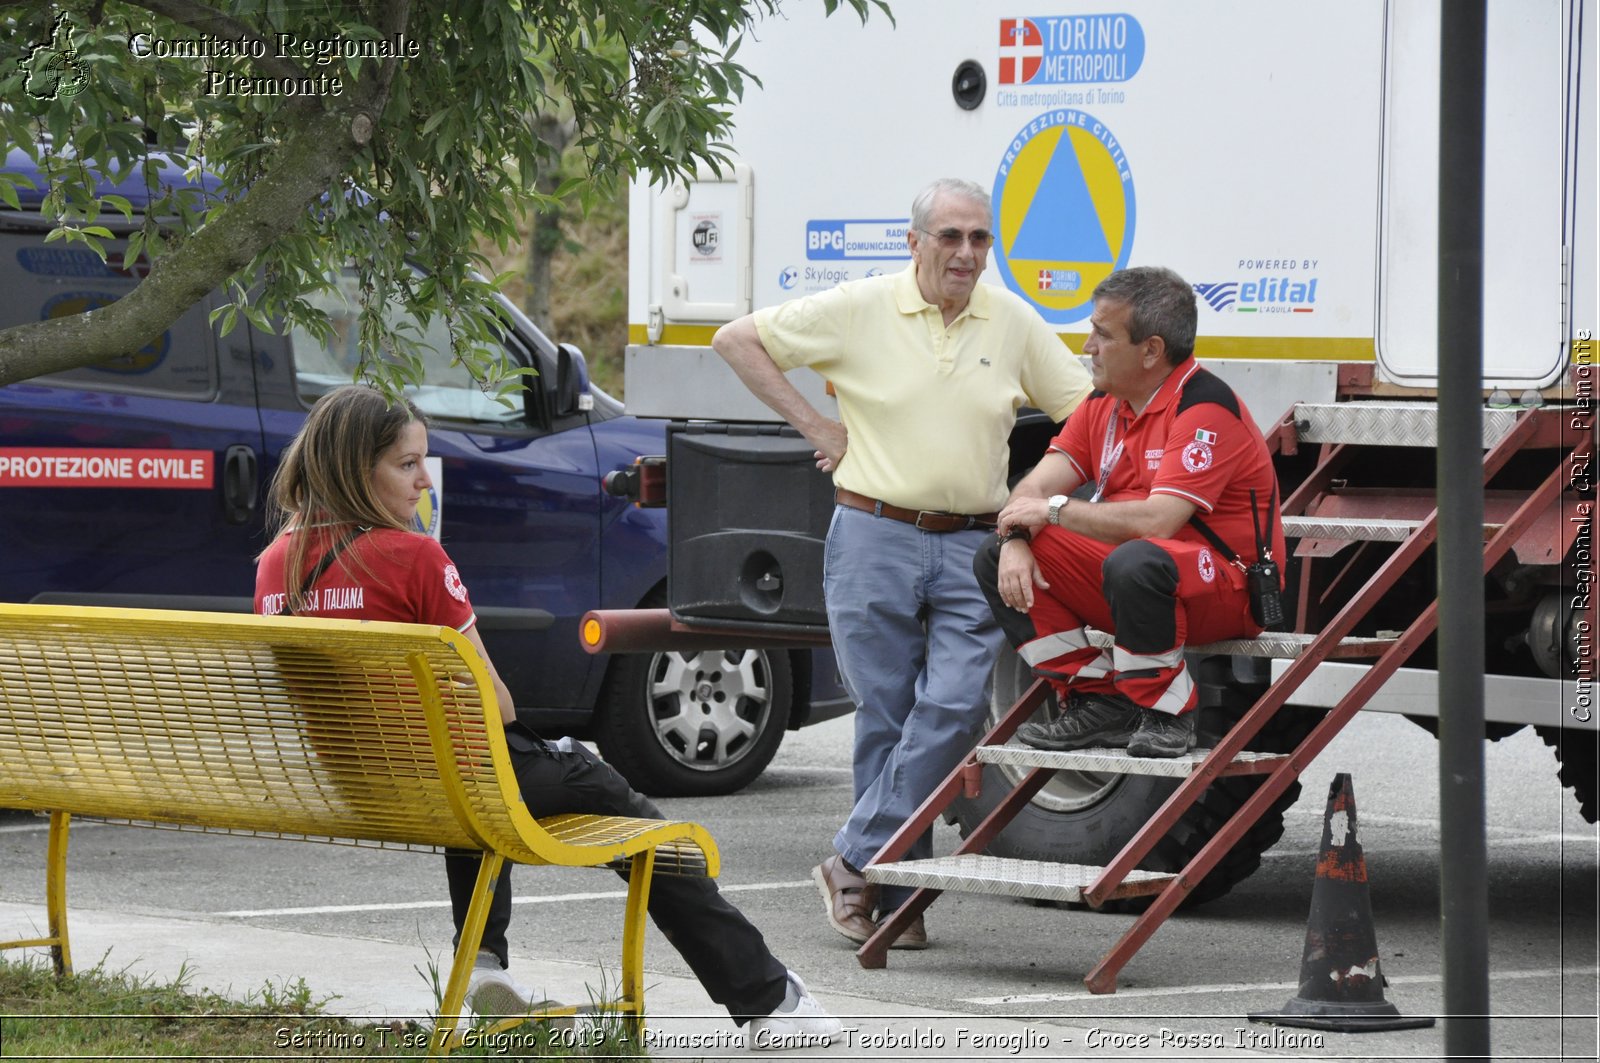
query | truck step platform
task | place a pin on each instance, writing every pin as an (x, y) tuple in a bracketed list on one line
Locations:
[(1118, 762), (1356, 529), (1389, 424), (1280, 645), (1349, 528), (1006, 877)]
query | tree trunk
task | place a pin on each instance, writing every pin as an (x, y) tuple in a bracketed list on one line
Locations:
[(547, 238)]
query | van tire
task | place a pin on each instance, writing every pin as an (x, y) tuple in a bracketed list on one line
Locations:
[(649, 700), (1084, 818)]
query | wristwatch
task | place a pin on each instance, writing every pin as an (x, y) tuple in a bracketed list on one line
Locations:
[(1057, 504)]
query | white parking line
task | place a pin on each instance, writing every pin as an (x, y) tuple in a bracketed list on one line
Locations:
[(404, 906), (1302, 812), (1259, 987), (1576, 844), (44, 825)]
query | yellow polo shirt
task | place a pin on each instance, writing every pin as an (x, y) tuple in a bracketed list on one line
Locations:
[(928, 409)]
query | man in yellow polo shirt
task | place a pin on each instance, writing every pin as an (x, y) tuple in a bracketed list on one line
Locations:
[(929, 368)]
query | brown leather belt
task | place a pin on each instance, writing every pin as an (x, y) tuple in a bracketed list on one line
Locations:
[(927, 520)]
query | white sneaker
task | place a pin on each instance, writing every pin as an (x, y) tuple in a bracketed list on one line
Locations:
[(492, 991), (799, 1022)]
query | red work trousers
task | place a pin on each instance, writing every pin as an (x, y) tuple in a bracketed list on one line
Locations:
[(1154, 595)]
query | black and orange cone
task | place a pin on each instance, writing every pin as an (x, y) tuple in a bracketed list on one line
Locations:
[(1341, 980)]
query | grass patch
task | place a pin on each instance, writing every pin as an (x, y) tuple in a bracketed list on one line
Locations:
[(110, 1014)]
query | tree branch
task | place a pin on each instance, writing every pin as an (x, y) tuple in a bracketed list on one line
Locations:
[(305, 167), (396, 16), (322, 145), (214, 23)]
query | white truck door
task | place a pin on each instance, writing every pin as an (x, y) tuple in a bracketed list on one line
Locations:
[(1528, 128), (704, 242)]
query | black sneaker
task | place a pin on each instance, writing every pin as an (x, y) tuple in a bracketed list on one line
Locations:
[(1099, 720), (1162, 734)]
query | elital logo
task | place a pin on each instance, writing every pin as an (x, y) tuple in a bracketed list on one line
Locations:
[(1264, 295), (1219, 295)]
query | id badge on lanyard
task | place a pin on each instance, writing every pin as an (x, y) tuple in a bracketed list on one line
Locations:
[(1110, 454)]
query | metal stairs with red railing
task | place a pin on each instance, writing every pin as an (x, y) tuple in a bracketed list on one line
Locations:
[(1322, 508)]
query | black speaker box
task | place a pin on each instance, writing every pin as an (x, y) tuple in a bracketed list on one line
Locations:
[(747, 515)]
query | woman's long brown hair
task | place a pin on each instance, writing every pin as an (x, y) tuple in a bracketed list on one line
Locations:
[(325, 477)]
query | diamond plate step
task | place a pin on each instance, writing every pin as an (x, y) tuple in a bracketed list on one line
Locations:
[(1004, 877), (1118, 762), (1388, 424), (1354, 529), (1281, 645)]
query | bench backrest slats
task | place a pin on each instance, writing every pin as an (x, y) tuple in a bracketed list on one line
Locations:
[(284, 725)]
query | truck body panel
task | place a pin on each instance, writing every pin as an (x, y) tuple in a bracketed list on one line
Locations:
[(1293, 184), (1283, 158)]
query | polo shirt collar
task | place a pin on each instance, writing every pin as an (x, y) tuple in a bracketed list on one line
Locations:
[(1168, 389), (909, 300)]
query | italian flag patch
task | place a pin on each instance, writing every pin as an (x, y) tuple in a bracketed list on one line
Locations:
[(1202, 436)]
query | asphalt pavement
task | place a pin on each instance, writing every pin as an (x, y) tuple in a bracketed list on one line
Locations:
[(1002, 979)]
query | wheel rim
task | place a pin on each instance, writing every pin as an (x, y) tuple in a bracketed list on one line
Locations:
[(708, 710), (1067, 791)]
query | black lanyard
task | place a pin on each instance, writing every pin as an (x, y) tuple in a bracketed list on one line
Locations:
[(321, 567)]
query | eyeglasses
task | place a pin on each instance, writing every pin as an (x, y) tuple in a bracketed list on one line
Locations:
[(980, 239)]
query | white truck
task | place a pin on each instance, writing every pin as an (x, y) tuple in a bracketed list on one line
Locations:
[(1281, 157)]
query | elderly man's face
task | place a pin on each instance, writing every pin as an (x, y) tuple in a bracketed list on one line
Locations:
[(952, 253)]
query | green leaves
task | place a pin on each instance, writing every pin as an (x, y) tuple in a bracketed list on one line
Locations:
[(455, 154)]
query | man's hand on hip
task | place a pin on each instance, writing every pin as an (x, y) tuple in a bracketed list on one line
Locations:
[(831, 441)]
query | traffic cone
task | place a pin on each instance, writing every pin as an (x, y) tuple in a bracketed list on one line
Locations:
[(1341, 980)]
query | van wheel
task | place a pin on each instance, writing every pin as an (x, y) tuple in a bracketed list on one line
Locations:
[(694, 724), (1086, 817)]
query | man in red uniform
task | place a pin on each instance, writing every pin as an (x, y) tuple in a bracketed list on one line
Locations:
[(1159, 441)]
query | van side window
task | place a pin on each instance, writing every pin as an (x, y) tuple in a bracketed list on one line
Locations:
[(447, 392), (45, 281)]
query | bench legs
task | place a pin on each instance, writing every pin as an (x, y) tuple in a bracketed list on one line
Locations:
[(55, 891), (631, 1000), (640, 873), (455, 989)]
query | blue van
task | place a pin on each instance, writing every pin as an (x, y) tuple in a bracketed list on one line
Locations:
[(141, 482)]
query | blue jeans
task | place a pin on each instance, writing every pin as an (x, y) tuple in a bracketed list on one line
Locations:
[(915, 641)]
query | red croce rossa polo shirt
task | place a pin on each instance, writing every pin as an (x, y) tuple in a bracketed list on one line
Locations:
[(1194, 439)]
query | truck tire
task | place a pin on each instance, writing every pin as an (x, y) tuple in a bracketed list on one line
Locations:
[(1086, 818), (694, 724), (1577, 752)]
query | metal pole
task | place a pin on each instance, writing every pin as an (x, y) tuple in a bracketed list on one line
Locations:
[(1464, 900)]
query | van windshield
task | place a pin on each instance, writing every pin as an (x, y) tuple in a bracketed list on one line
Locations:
[(448, 390)]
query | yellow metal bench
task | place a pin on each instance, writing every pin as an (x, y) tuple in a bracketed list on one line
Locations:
[(371, 734)]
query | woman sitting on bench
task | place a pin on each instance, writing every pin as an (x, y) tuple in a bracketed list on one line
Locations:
[(345, 495)]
